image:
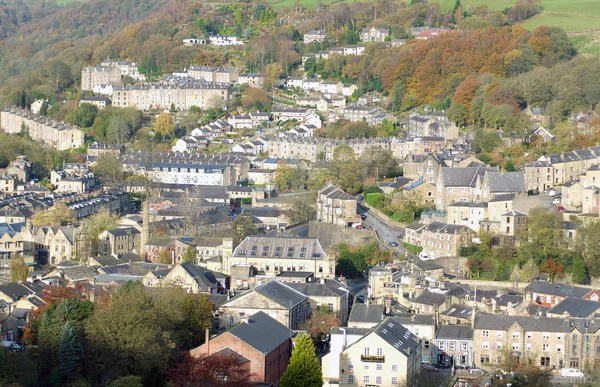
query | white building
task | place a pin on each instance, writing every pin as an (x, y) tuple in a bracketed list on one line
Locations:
[(104, 89), (225, 41), (194, 174)]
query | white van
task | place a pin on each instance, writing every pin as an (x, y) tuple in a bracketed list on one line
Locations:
[(571, 373)]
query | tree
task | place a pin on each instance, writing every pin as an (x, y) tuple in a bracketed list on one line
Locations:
[(57, 216), (215, 371), (579, 271), (164, 124), (19, 270), (70, 352), (98, 223), (254, 99), (186, 316), (108, 169), (509, 166), (84, 115), (128, 336), (244, 226), (164, 257), (529, 271), (320, 322), (189, 255), (344, 168), (118, 130), (303, 210), (553, 268), (304, 369)]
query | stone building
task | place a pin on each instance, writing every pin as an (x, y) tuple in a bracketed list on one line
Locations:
[(55, 134), (278, 300), (273, 255), (335, 206), (439, 239), (389, 355), (374, 34), (91, 76), (180, 93), (549, 343)]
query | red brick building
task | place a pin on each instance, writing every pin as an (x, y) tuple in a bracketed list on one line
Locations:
[(264, 342)]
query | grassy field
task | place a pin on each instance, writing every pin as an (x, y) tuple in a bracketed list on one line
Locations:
[(570, 15)]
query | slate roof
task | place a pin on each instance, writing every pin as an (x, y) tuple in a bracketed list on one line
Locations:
[(14, 290), (124, 231), (506, 181), (575, 307), (78, 273), (430, 298), (397, 336), (261, 332), (462, 177), (295, 274), (555, 289), (289, 247), (203, 277), (414, 319), (316, 289), (334, 192), (367, 313), (536, 324), (502, 198), (459, 311), (455, 332), (280, 293)]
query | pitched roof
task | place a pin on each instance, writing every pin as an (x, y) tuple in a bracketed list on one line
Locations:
[(536, 324), (397, 336), (462, 177), (280, 247), (460, 332), (14, 290), (414, 319), (506, 181), (124, 231), (315, 289), (203, 277), (575, 307), (459, 311), (556, 289), (430, 298), (280, 293), (334, 192), (262, 332), (369, 313)]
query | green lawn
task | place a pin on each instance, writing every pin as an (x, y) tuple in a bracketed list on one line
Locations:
[(568, 22)]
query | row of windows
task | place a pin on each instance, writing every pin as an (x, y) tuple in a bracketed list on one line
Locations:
[(377, 379), (464, 346), (516, 335)]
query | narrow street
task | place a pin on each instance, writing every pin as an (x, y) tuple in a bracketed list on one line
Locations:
[(385, 232)]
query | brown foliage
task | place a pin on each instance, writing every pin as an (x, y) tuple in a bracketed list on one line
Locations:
[(210, 371)]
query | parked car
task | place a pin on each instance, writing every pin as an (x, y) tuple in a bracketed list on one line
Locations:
[(428, 367), (571, 373), (360, 227), (363, 216), (552, 193), (556, 201), (393, 244), (11, 345), (476, 371), (560, 209)]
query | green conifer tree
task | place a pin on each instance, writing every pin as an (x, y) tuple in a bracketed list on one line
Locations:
[(70, 352), (304, 369)]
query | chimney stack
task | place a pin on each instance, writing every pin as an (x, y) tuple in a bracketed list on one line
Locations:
[(207, 341)]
